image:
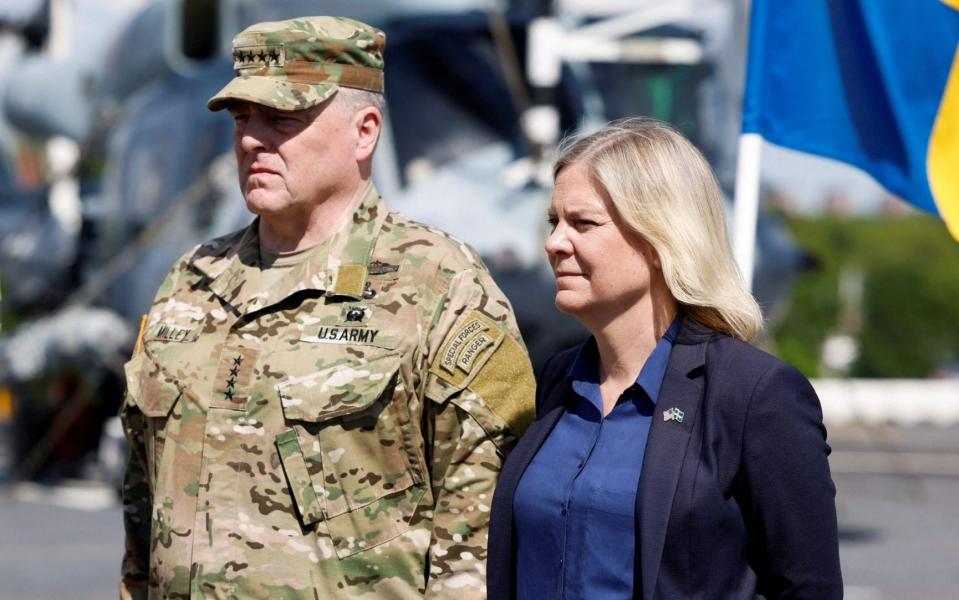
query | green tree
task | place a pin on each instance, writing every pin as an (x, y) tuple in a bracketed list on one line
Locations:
[(909, 315)]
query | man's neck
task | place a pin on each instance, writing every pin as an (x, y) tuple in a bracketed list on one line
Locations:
[(289, 232)]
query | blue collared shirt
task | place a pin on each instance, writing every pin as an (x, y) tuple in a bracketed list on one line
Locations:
[(575, 505)]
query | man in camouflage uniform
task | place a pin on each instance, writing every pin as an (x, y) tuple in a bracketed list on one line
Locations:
[(319, 404)]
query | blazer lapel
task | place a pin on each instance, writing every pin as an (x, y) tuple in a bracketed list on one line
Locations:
[(678, 405)]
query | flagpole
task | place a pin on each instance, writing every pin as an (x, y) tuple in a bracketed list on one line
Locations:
[(746, 204)]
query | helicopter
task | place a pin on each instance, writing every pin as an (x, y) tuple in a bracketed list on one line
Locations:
[(138, 170)]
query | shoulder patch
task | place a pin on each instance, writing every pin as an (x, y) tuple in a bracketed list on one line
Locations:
[(468, 345), (507, 387), (479, 354), (473, 349)]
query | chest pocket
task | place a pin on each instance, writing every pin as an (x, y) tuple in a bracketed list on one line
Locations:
[(153, 394), (347, 453)]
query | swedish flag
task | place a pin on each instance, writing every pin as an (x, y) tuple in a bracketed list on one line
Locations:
[(873, 83)]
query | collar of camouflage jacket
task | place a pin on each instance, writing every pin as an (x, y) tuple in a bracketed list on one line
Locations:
[(337, 267)]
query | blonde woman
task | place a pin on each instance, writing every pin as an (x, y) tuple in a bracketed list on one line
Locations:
[(669, 458)]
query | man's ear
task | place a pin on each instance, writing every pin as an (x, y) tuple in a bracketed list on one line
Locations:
[(368, 122)]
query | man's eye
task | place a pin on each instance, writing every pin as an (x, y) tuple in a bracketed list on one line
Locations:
[(552, 222)]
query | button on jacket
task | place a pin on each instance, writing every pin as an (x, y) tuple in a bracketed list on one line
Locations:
[(336, 435)]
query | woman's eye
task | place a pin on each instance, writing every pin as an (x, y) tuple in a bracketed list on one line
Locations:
[(584, 223)]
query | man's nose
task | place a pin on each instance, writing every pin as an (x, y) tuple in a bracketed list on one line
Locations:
[(254, 135)]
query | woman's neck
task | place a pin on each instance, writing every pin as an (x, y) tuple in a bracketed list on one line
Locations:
[(625, 343)]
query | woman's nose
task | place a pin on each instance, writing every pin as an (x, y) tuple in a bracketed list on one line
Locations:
[(557, 242)]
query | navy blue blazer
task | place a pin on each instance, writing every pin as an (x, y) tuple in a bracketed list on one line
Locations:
[(735, 501)]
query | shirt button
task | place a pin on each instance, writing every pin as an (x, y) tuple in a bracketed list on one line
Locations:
[(562, 511)]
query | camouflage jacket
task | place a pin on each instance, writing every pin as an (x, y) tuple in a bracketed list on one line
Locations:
[(336, 436)]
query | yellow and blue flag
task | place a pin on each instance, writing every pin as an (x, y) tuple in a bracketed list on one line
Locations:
[(872, 83)]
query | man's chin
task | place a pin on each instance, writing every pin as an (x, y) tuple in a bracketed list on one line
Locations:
[(264, 205)]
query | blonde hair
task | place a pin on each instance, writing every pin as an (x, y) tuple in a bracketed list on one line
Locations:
[(662, 188)]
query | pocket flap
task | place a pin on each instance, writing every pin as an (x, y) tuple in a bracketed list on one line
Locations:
[(349, 385), (375, 523), (149, 388), (298, 477)]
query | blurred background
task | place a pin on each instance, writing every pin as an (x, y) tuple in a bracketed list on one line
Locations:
[(111, 167)]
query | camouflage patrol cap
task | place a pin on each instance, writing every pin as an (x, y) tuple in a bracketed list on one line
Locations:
[(296, 64)]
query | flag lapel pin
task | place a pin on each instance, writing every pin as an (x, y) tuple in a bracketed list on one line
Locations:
[(673, 414)]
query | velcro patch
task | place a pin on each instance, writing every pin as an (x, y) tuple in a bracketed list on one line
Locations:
[(349, 280), (451, 350), (343, 335), (234, 376), (381, 268), (174, 333), (507, 387), (257, 57), (467, 346), (355, 313), (474, 348)]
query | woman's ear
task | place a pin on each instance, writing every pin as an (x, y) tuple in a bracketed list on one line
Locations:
[(654, 256)]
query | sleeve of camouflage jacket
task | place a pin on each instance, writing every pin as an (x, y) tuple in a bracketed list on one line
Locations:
[(137, 494), (136, 506), (481, 388)]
